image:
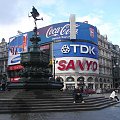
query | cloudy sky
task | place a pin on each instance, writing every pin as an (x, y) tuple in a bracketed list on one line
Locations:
[(104, 14)]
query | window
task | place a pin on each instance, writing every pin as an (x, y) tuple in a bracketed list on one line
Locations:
[(90, 79), (69, 79), (80, 79), (59, 79), (100, 79)]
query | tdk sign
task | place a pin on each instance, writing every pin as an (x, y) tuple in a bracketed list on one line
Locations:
[(82, 49), (76, 49)]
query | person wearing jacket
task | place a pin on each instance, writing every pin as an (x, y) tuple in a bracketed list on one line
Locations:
[(113, 95), (77, 95)]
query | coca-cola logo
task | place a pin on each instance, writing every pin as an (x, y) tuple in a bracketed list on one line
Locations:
[(59, 31)]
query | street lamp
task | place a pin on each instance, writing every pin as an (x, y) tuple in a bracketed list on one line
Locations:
[(115, 72), (54, 68)]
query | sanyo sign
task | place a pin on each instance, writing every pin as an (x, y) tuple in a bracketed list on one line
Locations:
[(76, 64)]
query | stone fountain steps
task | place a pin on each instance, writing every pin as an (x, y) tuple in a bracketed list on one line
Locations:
[(51, 101)]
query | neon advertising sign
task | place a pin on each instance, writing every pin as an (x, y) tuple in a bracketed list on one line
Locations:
[(79, 57)]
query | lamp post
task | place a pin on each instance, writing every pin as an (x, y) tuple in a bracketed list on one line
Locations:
[(115, 72), (54, 68)]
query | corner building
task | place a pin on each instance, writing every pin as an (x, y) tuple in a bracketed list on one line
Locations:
[(74, 62), (84, 61)]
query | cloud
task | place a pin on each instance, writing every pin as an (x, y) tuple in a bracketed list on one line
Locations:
[(12, 12), (24, 25), (14, 17), (8, 11), (105, 28)]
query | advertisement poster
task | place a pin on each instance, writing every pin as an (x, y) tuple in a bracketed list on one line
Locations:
[(80, 57), (17, 45)]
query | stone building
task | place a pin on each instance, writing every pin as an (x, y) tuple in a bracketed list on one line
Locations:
[(3, 57), (115, 57), (105, 62), (109, 63)]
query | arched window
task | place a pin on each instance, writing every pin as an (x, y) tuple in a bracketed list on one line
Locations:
[(69, 79), (90, 79), (59, 79), (100, 80), (108, 81), (80, 79)]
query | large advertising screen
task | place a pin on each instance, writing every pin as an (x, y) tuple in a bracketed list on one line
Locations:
[(61, 31), (75, 49), (72, 57), (17, 45)]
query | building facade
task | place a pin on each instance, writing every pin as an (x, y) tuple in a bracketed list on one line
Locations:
[(90, 60), (3, 57), (115, 65), (105, 63)]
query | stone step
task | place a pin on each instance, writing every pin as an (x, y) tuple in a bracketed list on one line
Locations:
[(33, 106), (53, 109), (53, 100), (50, 101), (45, 103)]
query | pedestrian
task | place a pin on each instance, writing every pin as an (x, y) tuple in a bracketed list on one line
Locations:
[(113, 95), (3, 83), (77, 95)]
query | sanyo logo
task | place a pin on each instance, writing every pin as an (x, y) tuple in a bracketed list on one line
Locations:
[(59, 31), (81, 49)]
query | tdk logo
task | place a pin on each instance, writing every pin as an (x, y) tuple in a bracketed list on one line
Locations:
[(65, 49), (84, 49)]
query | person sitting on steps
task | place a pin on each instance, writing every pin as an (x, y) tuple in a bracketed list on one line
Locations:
[(77, 95)]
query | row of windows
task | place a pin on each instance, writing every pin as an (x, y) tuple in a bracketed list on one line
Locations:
[(105, 62), (81, 80), (103, 70), (103, 44), (104, 53)]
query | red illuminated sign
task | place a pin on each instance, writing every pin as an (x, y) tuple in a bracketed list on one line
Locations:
[(15, 67), (82, 65)]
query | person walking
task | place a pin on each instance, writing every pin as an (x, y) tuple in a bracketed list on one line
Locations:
[(113, 95), (3, 83), (77, 95)]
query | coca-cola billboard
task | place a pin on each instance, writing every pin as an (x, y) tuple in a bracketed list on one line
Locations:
[(61, 31)]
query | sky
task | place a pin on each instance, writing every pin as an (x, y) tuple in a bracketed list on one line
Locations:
[(104, 14)]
